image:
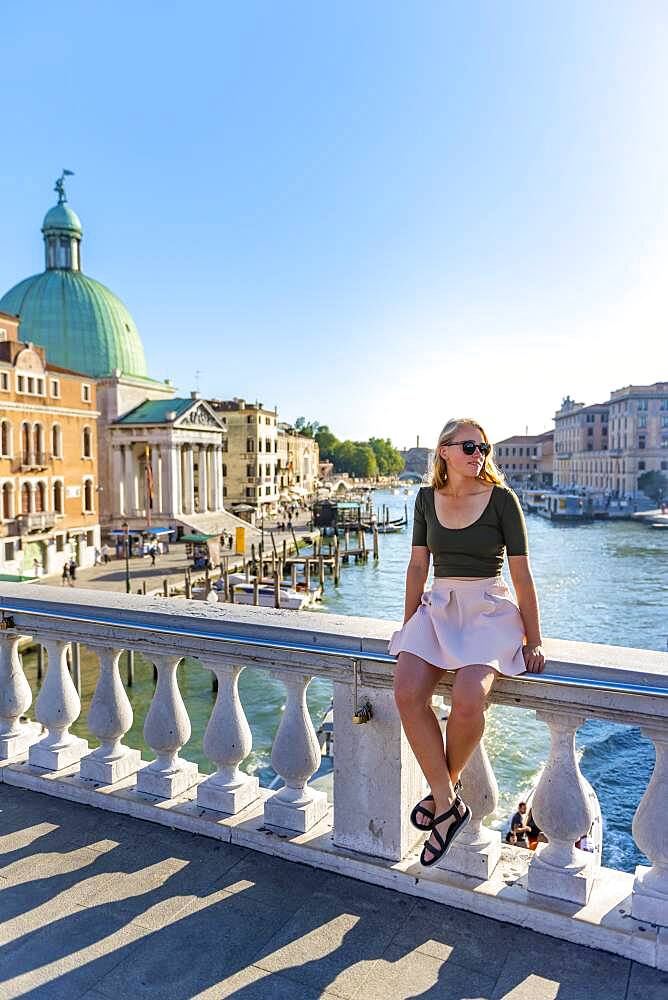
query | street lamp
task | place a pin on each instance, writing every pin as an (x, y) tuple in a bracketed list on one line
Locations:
[(126, 538)]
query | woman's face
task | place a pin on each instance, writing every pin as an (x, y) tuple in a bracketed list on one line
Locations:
[(456, 459)]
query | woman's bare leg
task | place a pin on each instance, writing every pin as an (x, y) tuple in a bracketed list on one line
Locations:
[(414, 683), (466, 722)]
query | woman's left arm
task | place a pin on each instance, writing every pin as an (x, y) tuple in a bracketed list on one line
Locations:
[(527, 599)]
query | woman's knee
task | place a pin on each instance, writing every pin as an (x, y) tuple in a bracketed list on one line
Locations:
[(469, 699), (411, 691)]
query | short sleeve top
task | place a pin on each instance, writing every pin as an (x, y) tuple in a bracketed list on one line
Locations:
[(478, 549)]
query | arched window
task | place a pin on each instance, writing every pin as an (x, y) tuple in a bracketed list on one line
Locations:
[(37, 442), (87, 448), (58, 497), (6, 438), (56, 441), (7, 501), (25, 443), (25, 499), (88, 495), (40, 497)]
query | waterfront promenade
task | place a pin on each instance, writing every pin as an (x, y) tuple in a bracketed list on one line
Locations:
[(105, 907)]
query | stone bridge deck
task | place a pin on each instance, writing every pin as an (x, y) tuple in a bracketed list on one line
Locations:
[(98, 905)]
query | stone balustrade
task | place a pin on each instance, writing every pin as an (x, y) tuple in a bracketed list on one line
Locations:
[(366, 834)]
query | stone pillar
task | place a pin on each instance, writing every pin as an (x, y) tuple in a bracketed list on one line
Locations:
[(377, 780), (109, 718), (227, 741), (166, 729), (57, 707), (189, 480), (118, 497), (171, 466), (157, 484), (649, 901), (15, 700), (295, 757), (129, 480), (203, 479), (563, 811)]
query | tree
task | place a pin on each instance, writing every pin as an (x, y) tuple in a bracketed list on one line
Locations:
[(654, 485), (327, 442)]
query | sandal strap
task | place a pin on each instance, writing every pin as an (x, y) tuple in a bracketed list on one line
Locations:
[(452, 811), (425, 812)]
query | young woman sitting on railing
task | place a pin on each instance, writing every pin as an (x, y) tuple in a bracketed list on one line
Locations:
[(468, 622)]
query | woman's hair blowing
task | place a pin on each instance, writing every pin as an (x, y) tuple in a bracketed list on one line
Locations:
[(439, 472)]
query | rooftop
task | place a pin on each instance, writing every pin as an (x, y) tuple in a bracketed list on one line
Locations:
[(114, 907)]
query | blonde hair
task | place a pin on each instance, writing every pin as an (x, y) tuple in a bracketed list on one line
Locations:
[(439, 472)]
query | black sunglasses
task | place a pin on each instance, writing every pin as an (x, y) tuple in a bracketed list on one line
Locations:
[(469, 447)]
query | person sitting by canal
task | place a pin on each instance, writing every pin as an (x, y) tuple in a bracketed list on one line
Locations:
[(469, 622), (511, 838), (536, 835), (519, 823)]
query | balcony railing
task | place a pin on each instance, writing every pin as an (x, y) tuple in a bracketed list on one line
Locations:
[(559, 889), (36, 521)]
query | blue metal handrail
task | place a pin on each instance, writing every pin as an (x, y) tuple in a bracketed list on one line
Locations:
[(619, 687)]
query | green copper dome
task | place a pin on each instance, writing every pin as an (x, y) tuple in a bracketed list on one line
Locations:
[(80, 323)]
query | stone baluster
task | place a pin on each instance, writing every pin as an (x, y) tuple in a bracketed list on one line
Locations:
[(477, 849), (166, 729), (650, 889), (227, 741), (57, 707), (15, 699), (295, 757), (562, 809), (109, 718)]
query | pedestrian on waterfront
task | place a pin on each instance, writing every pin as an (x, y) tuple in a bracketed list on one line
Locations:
[(153, 553), (105, 553), (73, 572), (469, 622), (65, 578)]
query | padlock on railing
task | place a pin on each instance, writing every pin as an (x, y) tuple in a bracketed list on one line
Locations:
[(364, 712), (7, 622)]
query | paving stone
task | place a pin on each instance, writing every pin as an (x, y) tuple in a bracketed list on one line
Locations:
[(403, 973), (210, 940), (647, 984), (66, 957), (270, 881), (331, 944), (539, 966), (465, 938)]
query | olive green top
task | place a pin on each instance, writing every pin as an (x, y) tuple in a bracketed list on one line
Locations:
[(477, 549)]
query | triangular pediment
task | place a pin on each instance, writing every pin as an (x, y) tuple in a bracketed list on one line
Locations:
[(200, 415)]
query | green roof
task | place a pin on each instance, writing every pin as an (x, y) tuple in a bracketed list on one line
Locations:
[(61, 219), (154, 411), (81, 324)]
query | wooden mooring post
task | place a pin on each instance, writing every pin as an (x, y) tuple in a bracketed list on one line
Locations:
[(375, 542)]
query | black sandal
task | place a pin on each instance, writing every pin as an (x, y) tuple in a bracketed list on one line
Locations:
[(427, 812), (453, 830)]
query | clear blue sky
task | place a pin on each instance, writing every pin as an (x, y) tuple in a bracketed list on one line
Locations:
[(372, 214)]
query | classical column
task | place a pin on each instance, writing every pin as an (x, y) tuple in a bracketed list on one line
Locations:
[(217, 485), (649, 901), (57, 707), (176, 463), (295, 756), (203, 479), (155, 473), (109, 718), (190, 469), (118, 501), (562, 809), (15, 700), (129, 480), (227, 741)]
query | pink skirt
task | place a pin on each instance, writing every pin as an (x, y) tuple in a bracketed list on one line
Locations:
[(459, 622)]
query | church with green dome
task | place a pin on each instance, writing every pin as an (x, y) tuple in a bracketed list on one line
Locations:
[(81, 323)]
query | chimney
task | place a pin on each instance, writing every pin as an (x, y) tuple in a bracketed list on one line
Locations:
[(194, 394), (417, 444)]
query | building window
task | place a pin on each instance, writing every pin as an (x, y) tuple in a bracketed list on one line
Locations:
[(9, 551), (40, 386), (25, 499), (5, 439), (641, 441), (250, 491), (641, 466), (55, 388), (31, 384), (58, 497), (20, 383), (642, 406), (88, 496), (225, 444), (56, 441), (224, 469), (87, 444), (250, 444), (249, 472), (40, 497), (248, 419), (85, 392), (25, 444), (590, 432), (4, 381), (642, 420), (7, 501), (664, 421)]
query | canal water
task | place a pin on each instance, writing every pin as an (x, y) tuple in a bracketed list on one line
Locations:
[(600, 582)]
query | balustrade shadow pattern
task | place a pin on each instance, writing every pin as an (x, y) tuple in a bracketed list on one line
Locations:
[(376, 778), (99, 909)]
